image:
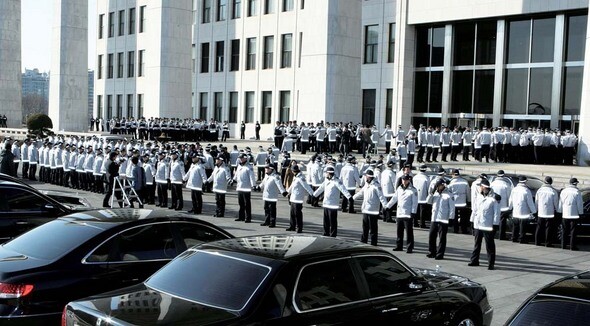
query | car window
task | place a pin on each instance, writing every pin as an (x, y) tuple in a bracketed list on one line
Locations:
[(194, 234), (554, 312), (326, 284), (384, 275), (18, 200), (147, 242)]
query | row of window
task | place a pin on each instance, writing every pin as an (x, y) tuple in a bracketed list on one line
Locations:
[(236, 8), (131, 110), (251, 49), (229, 112), (371, 46), (121, 65), (130, 20), (369, 107)]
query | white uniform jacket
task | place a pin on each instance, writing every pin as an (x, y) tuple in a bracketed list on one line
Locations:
[(387, 181), (315, 174), (271, 187), (350, 176), (372, 198), (407, 201), (195, 177), (331, 189), (547, 200), (421, 182), (162, 172), (89, 162), (570, 202), (245, 178), (485, 212), (460, 189), (148, 169), (298, 188), (521, 202), (220, 178), (176, 172), (443, 206), (503, 187)]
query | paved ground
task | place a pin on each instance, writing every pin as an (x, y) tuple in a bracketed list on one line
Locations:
[(520, 269)]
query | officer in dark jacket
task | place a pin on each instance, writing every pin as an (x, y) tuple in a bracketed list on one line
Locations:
[(112, 170)]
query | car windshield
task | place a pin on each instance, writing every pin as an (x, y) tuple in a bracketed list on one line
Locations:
[(52, 240), (211, 279), (554, 312)]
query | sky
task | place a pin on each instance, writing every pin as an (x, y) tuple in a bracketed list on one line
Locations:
[(36, 28)]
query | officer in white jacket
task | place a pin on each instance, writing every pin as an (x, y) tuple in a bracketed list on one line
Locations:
[(421, 182), (162, 179), (485, 216), (332, 187), (406, 198), (372, 200), (351, 179), (220, 178), (271, 189), (547, 200), (502, 186), (149, 171), (523, 208), (443, 210), (459, 187), (571, 206), (176, 180), (387, 181), (315, 178), (297, 189), (245, 184), (195, 179)]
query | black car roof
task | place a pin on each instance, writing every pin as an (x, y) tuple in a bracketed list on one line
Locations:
[(575, 287), (289, 247)]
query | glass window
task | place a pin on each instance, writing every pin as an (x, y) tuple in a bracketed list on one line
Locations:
[(121, 22), (572, 90), (284, 113), (464, 44), (203, 105), (543, 40), (286, 50), (436, 87), (371, 43), (131, 21), (235, 55), (288, 5), (109, 106), (219, 55), (142, 18), (141, 62), (252, 8), (421, 82), (438, 46), (519, 33), (218, 113), (515, 100), (120, 64), (233, 107), (388, 107), (221, 10), (251, 53), (130, 64), (423, 47), (20, 200), (206, 18), (384, 275), (99, 102), (100, 25), (140, 105), (266, 107), (540, 92), (130, 105), (486, 43), (204, 57), (326, 284), (99, 75), (391, 45), (269, 6), (148, 242), (554, 312), (110, 66), (576, 37), (267, 62), (368, 113), (249, 107), (483, 93), (111, 24), (236, 9), (119, 105), (210, 279), (462, 91)]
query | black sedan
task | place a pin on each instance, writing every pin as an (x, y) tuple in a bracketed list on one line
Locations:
[(88, 253), (564, 302), (288, 280)]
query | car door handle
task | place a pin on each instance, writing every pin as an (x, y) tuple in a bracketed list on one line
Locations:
[(384, 311), (22, 222)]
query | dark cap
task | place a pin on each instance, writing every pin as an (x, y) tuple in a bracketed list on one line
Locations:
[(406, 177), (243, 156), (548, 180), (455, 172), (483, 175), (522, 179), (295, 168), (440, 182), (574, 181), (369, 173), (441, 171), (500, 173), (423, 167), (485, 183), (269, 166), (329, 169)]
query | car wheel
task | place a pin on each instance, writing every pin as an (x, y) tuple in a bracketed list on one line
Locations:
[(466, 318)]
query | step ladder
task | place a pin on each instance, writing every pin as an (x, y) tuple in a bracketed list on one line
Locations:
[(128, 193)]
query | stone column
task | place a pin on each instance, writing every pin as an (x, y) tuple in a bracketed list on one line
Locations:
[(403, 79), (68, 85), (584, 130), (10, 63)]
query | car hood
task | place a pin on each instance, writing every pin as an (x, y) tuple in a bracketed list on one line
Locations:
[(140, 305), (11, 262), (442, 279)]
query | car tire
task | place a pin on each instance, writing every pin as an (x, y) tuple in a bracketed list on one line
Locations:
[(466, 318)]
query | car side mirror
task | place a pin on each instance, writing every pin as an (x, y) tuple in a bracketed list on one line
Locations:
[(49, 208), (416, 283)]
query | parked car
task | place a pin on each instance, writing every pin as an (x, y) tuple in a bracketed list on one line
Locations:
[(563, 302), (70, 198), (87, 253), (288, 280)]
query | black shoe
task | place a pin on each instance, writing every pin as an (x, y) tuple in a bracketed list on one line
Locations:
[(289, 229), (178, 209), (272, 226), (398, 249), (575, 249), (549, 245), (439, 258), (191, 211), (264, 224), (299, 231), (473, 264), (171, 207), (491, 267), (409, 251), (430, 256), (351, 212), (238, 219)]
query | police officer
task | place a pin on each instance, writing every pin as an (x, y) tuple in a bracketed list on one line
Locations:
[(387, 181), (502, 186), (459, 187), (331, 188), (195, 179), (162, 179), (272, 187), (571, 206), (485, 216), (372, 198), (421, 181), (547, 200), (443, 210), (220, 178), (523, 208), (406, 198), (350, 178), (297, 190), (245, 184), (176, 180)]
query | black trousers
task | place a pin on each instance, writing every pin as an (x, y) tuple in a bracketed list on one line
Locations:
[(150, 196), (245, 212), (370, 228), (387, 147), (437, 229), (461, 222), (543, 231), (404, 223), (25, 170), (569, 232), (446, 150), (162, 194), (32, 171), (466, 153), (485, 152), (429, 154), (108, 193), (455, 150), (348, 204), (270, 212), (219, 204), (435, 154), (519, 226), (197, 200), (296, 217), (387, 212), (424, 213), (177, 200), (421, 151), (490, 247), (504, 216), (330, 222), (90, 186)]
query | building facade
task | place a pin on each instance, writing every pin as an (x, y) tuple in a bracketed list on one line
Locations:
[(35, 82)]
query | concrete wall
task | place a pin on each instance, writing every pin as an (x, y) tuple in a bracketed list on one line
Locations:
[(10, 62)]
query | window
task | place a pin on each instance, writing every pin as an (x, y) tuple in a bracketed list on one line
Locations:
[(391, 47), (252, 7), (99, 106), (218, 111), (371, 43), (368, 113), (111, 24), (121, 22), (131, 64), (268, 52), (235, 55), (233, 107), (430, 46), (515, 98), (141, 64), (249, 107), (519, 33), (203, 105), (284, 112), (543, 40), (236, 9), (120, 64), (326, 284), (269, 6), (221, 10), (572, 90), (20, 200), (286, 50), (206, 12), (130, 105), (576, 37), (288, 5), (150, 242), (251, 53), (110, 66), (100, 25), (553, 311), (384, 276), (388, 107), (204, 57), (131, 21), (142, 18), (266, 112), (219, 55), (428, 91), (119, 105), (194, 234), (140, 105), (302, 4), (99, 72), (486, 43), (540, 86), (109, 106)]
